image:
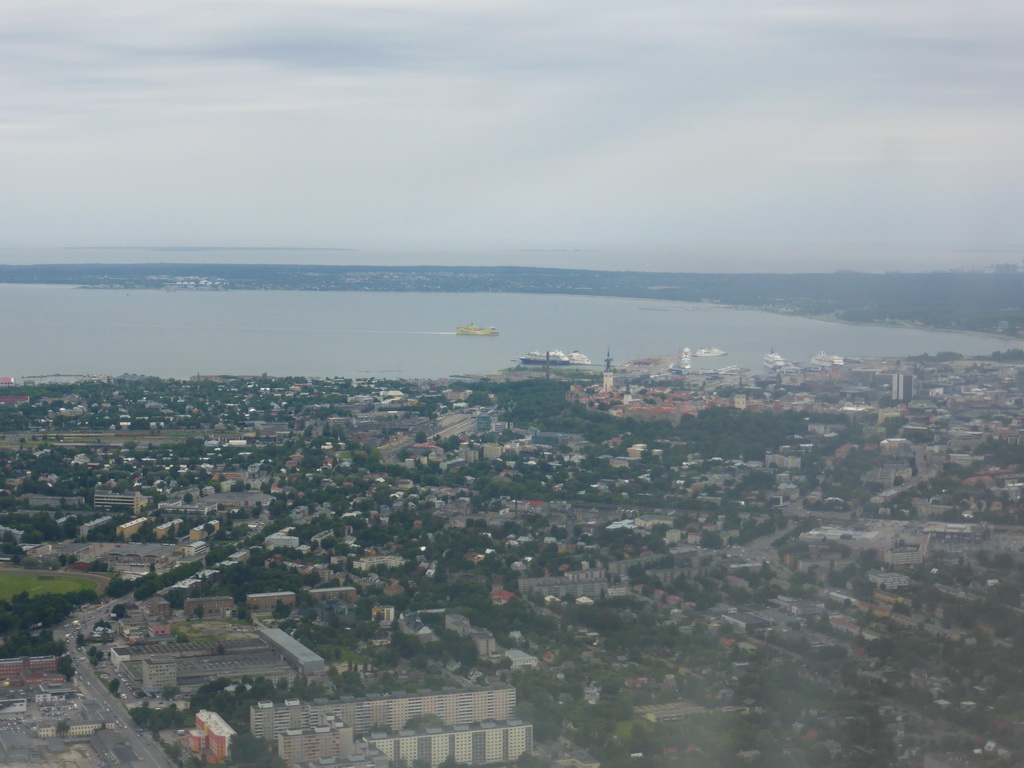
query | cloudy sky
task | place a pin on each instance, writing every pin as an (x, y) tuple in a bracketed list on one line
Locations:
[(701, 135)]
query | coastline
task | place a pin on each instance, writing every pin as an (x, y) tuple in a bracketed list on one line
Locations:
[(1018, 343)]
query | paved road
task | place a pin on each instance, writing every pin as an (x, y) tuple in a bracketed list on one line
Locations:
[(93, 688)]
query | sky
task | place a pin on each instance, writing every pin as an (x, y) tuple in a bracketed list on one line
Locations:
[(747, 135)]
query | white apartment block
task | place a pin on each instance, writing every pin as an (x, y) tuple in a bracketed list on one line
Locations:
[(454, 707), (490, 742)]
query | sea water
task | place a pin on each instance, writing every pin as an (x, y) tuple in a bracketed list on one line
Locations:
[(59, 329)]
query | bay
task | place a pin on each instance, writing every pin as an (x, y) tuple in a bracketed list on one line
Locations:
[(177, 334)]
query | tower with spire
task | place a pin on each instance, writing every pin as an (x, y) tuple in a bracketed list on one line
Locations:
[(608, 384)]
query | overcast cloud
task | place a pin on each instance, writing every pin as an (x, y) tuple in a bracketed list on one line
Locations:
[(771, 135)]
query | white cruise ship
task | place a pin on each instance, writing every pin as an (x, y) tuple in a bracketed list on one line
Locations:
[(826, 361), (709, 352)]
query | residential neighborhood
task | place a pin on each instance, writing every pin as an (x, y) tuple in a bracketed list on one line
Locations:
[(644, 568)]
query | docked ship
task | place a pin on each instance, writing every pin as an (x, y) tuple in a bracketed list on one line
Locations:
[(578, 358), (710, 352), (774, 360), (475, 330), (684, 362), (555, 357), (826, 361)]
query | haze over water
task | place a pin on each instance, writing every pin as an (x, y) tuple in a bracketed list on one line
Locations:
[(613, 256), (59, 329)]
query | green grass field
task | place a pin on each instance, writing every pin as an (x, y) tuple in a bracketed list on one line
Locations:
[(40, 584), (213, 630)]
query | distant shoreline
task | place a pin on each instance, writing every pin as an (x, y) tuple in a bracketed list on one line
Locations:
[(1014, 342)]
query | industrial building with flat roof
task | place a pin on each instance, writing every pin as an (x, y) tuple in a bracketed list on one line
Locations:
[(141, 555), (295, 653), (198, 663)]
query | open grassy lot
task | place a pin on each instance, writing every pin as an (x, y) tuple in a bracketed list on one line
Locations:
[(213, 630), (41, 583)]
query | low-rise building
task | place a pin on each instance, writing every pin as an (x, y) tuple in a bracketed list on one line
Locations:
[(664, 713), (218, 606), (261, 602), (378, 561), (127, 530), (76, 729), (84, 528), (334, 593), (888, 579), (281, 539), (170, 528), (521, 659)]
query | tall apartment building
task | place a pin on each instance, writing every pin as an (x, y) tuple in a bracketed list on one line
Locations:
[(122, 502), (902, 386), (311, 744), (159, 673), (489, 742), (782, 461), (211, 738), (454, 707), (904, 556)]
